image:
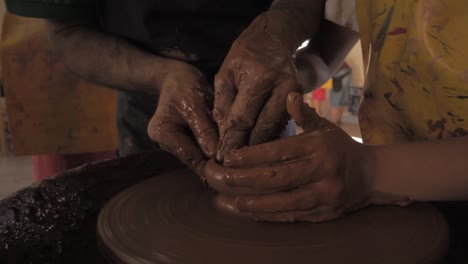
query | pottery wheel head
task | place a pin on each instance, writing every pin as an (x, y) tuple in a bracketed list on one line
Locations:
[(171, 219)]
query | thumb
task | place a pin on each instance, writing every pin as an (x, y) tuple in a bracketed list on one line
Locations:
[(303, 115)]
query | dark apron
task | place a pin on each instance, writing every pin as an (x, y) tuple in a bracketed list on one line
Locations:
[(199, 31)]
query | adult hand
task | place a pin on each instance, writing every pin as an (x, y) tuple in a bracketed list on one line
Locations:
[(183, 124), (251, 88), (319, 175)]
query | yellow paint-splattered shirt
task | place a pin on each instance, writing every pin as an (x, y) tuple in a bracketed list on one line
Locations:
[(416, 55)]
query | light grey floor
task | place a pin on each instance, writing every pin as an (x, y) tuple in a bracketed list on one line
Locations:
[(15, 173)]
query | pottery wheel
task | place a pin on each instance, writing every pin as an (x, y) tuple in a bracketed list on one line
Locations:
[(170, 219)]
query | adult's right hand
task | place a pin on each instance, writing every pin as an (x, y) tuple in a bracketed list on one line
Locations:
[(253, 84), (183, 124)]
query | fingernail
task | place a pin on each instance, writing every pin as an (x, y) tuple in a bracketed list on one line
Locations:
[(219, 157), (212, 148), (220, 150), (243, 204)]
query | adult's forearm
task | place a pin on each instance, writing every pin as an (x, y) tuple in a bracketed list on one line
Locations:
[(319, 61), (425, 171), (294, 21), (107, 60), (312, 70)]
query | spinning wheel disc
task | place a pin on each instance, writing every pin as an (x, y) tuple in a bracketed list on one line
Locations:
[(171, 219)]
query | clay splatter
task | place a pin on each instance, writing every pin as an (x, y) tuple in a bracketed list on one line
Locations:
[(397, 31)]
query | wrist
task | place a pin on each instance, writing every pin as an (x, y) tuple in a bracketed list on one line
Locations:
[(293, 25), (312, 71), (274, 28), (369, 167), (383, 189), (174, 72)]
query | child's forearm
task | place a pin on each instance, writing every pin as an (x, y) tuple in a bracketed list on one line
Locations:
[(425, 171)]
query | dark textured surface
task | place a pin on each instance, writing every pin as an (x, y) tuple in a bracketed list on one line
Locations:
[(55, 221)]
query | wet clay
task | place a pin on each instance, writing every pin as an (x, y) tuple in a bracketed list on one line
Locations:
[(172, 219)]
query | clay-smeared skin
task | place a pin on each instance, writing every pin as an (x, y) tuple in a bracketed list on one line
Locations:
[(170, 219), (252, 85), (184, 114), (227, 204), (315, 176)]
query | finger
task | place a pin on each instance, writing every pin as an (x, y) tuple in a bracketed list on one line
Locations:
[(278, 151), (295, 200), (262, 180), (303, 115), (274, 116), (319, 214), (225, 93), (227, 204), (172, 138), (324, 215), (243, 114), (203, 128), (385, 199)]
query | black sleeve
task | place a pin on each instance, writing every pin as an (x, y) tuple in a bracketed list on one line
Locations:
[(53, 9)]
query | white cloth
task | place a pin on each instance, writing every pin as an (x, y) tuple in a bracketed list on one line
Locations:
[(342, 12)]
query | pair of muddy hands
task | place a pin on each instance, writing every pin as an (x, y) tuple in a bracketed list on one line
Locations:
[(319, 175), (196, 121), (316, 176)]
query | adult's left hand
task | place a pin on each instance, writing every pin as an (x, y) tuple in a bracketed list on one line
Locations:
[(251, 88), (316, 176), (182, 124)]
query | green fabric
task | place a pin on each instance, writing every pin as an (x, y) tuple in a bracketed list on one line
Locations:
[(52, 8)]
